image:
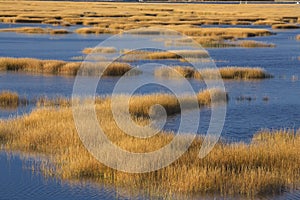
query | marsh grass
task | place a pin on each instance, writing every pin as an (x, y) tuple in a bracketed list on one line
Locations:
[(268, 165), (35, 30), (11, 100), (99, 50), (254, 44), (285, 26), (58, 67), (134, 55), (142, 105), (96, 30), (224, 72)]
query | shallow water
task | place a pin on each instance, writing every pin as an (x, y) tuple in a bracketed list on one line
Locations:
[(19, 181), (243, 118)]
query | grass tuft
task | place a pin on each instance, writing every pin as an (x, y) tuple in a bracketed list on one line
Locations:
[(224, 72), (58, 67), (35, 30), (99, 50), (285, 26), (254, 44)]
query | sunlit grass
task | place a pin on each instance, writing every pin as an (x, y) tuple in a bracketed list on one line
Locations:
[(142, 105), (99, 50), (9, 99), (224, 72), (254, 44), (58, 67), (285, 26), (35, 30), (268, 165)]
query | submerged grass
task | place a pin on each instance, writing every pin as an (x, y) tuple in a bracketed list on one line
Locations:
[(268, 165), (224, 72), (58, 67)]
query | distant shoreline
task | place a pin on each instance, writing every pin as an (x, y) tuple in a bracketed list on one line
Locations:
[(189, 2)]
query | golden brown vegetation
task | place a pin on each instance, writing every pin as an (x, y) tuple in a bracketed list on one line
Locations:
[(254, 44), (141, 105), (35, 30), (298, 37), (269, 164), (9, 99), (99, 50), (134, 55), (59, 67), (119, 17), (285, 26), (217, 42), (124, 16), (224, 72)]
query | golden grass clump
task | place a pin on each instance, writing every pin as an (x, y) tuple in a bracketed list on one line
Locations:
[(9, 99), (35, 30), (59, 67), (99, 50), (268, 165), (268, 22), (224, 72), (243, 73), (142, 105), (298, 37), (160, 55), (285, 26), (254, 44), (96, 30)]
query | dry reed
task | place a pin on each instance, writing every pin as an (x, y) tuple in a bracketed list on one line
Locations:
[(99, 50), (254, 44), (285, 26), (58, 67), (35, 30), (224, 72), (9, 99)]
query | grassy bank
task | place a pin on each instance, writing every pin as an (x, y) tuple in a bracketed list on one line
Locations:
[(285, 26), (124, 16), (35, 30), (58, 67), (118, 17), (224, 72), (269, 164)]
